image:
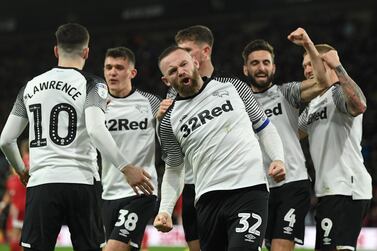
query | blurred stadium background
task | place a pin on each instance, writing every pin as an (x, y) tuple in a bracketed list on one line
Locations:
[(148, 26)]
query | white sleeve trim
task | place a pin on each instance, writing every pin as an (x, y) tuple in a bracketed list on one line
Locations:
[(13, 128), (271, 141), (101, 137), (171, 187)]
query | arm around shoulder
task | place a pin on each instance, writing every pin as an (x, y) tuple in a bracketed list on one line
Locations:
[(136, 177), (355, 98)]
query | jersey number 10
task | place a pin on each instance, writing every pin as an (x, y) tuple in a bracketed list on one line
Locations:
[(39, 141)]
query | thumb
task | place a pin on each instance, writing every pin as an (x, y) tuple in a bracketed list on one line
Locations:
[(272, 170)]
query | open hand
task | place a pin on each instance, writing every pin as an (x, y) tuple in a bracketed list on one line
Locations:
[(138, 179)]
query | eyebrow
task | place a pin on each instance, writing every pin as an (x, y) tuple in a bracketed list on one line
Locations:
[(171, 68)]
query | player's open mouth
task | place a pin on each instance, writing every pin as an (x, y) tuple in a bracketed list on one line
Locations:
[(261, 75), (186, 81)]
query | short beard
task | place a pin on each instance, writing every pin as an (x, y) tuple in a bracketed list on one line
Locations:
[(264, 85), (190, 90)]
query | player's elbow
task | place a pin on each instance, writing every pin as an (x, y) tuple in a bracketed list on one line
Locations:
[(362, 108), (4, 141), (359, 109), (92, 132)]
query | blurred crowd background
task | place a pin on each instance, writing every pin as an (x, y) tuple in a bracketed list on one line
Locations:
[(148, 26)]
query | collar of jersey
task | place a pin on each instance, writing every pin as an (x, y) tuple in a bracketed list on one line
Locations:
[(64, 67), (206, 81), (264, 90), (133, 89)]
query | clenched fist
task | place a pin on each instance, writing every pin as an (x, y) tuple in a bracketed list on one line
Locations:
[(163, 222)]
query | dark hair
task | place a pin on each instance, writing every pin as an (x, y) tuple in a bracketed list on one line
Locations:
[(322, 48), (167, 51), (72, 37), (196, 33), (121, 52), (257, 45)]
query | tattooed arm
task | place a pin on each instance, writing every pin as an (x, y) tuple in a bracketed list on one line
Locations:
[(355, 99)]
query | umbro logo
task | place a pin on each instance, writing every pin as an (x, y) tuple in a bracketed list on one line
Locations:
[(288, 230), (220, 93), (124, 232), (327, 241), (249, 237)]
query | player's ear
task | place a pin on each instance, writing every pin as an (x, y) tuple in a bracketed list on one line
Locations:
[(85, 53), (165, 80), (207, 50), (56, 51), (245, 72), (196, 63), (133, 73)]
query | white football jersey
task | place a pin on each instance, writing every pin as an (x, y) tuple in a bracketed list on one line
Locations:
[(281, 105), (213, 132), (54, 103), (189, 174), (334, 139), (172, 94), (131, 121)]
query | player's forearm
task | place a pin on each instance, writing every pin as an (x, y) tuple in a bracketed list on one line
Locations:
[(101, 137), (171, 187), (321, 80), (271, 141), (317, 64), (8, 141), (356, 101)]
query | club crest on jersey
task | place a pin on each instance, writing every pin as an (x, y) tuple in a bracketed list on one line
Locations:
[(220, 93), (142, 109), (203, 117), (318, 115), (183, 118), (102, 90)]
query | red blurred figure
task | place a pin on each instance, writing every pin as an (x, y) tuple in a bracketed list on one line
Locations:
[(16, 195), (144, 243)]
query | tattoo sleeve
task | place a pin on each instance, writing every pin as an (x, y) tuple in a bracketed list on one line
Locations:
[(356, 101)]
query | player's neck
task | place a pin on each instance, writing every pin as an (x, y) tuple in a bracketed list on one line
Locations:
[(257, 89), (206, 69), (124, 92), (74, 63)]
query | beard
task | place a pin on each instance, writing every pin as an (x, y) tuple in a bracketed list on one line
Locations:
[(261, 84), (191, 89)]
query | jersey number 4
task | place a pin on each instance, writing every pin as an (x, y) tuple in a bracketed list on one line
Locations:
[(38, 140)]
